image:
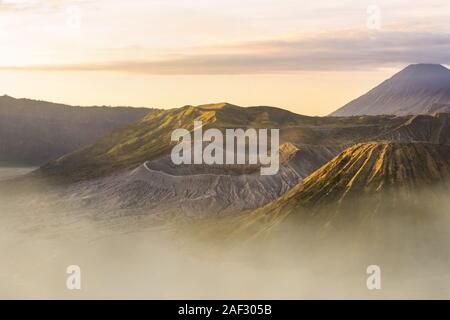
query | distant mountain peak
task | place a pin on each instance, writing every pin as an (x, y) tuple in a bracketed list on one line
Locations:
[(413, 90), (425, 75), (425, 67)]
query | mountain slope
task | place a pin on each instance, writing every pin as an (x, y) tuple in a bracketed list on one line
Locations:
[(131, 167), (361, 184), (149, 139), (417, 89), (161, 189), (164, 195), (34, 132), (375, 167), (317, 139), (434, 128)]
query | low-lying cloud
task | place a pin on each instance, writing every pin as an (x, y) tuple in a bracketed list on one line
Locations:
[(345, 50)]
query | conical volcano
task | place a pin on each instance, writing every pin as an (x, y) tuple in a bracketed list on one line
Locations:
[(417, 89)]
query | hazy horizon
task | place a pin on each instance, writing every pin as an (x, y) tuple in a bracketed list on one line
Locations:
[(307, 58)]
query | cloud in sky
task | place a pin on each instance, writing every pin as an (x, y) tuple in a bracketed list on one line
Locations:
[(213, 37), (343, 50), (60, 50)]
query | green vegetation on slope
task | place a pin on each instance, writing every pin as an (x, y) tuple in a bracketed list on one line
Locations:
[(367, 178), (149, 138)]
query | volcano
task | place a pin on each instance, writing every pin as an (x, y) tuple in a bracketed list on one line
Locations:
[(417, 89)]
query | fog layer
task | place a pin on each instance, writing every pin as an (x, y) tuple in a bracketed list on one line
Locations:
[(126, 255)]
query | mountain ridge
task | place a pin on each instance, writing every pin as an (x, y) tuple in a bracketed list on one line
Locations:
[(371, 175), (34, 132), (149, 138)]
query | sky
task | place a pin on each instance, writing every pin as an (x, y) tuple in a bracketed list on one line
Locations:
[(310, 57)]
